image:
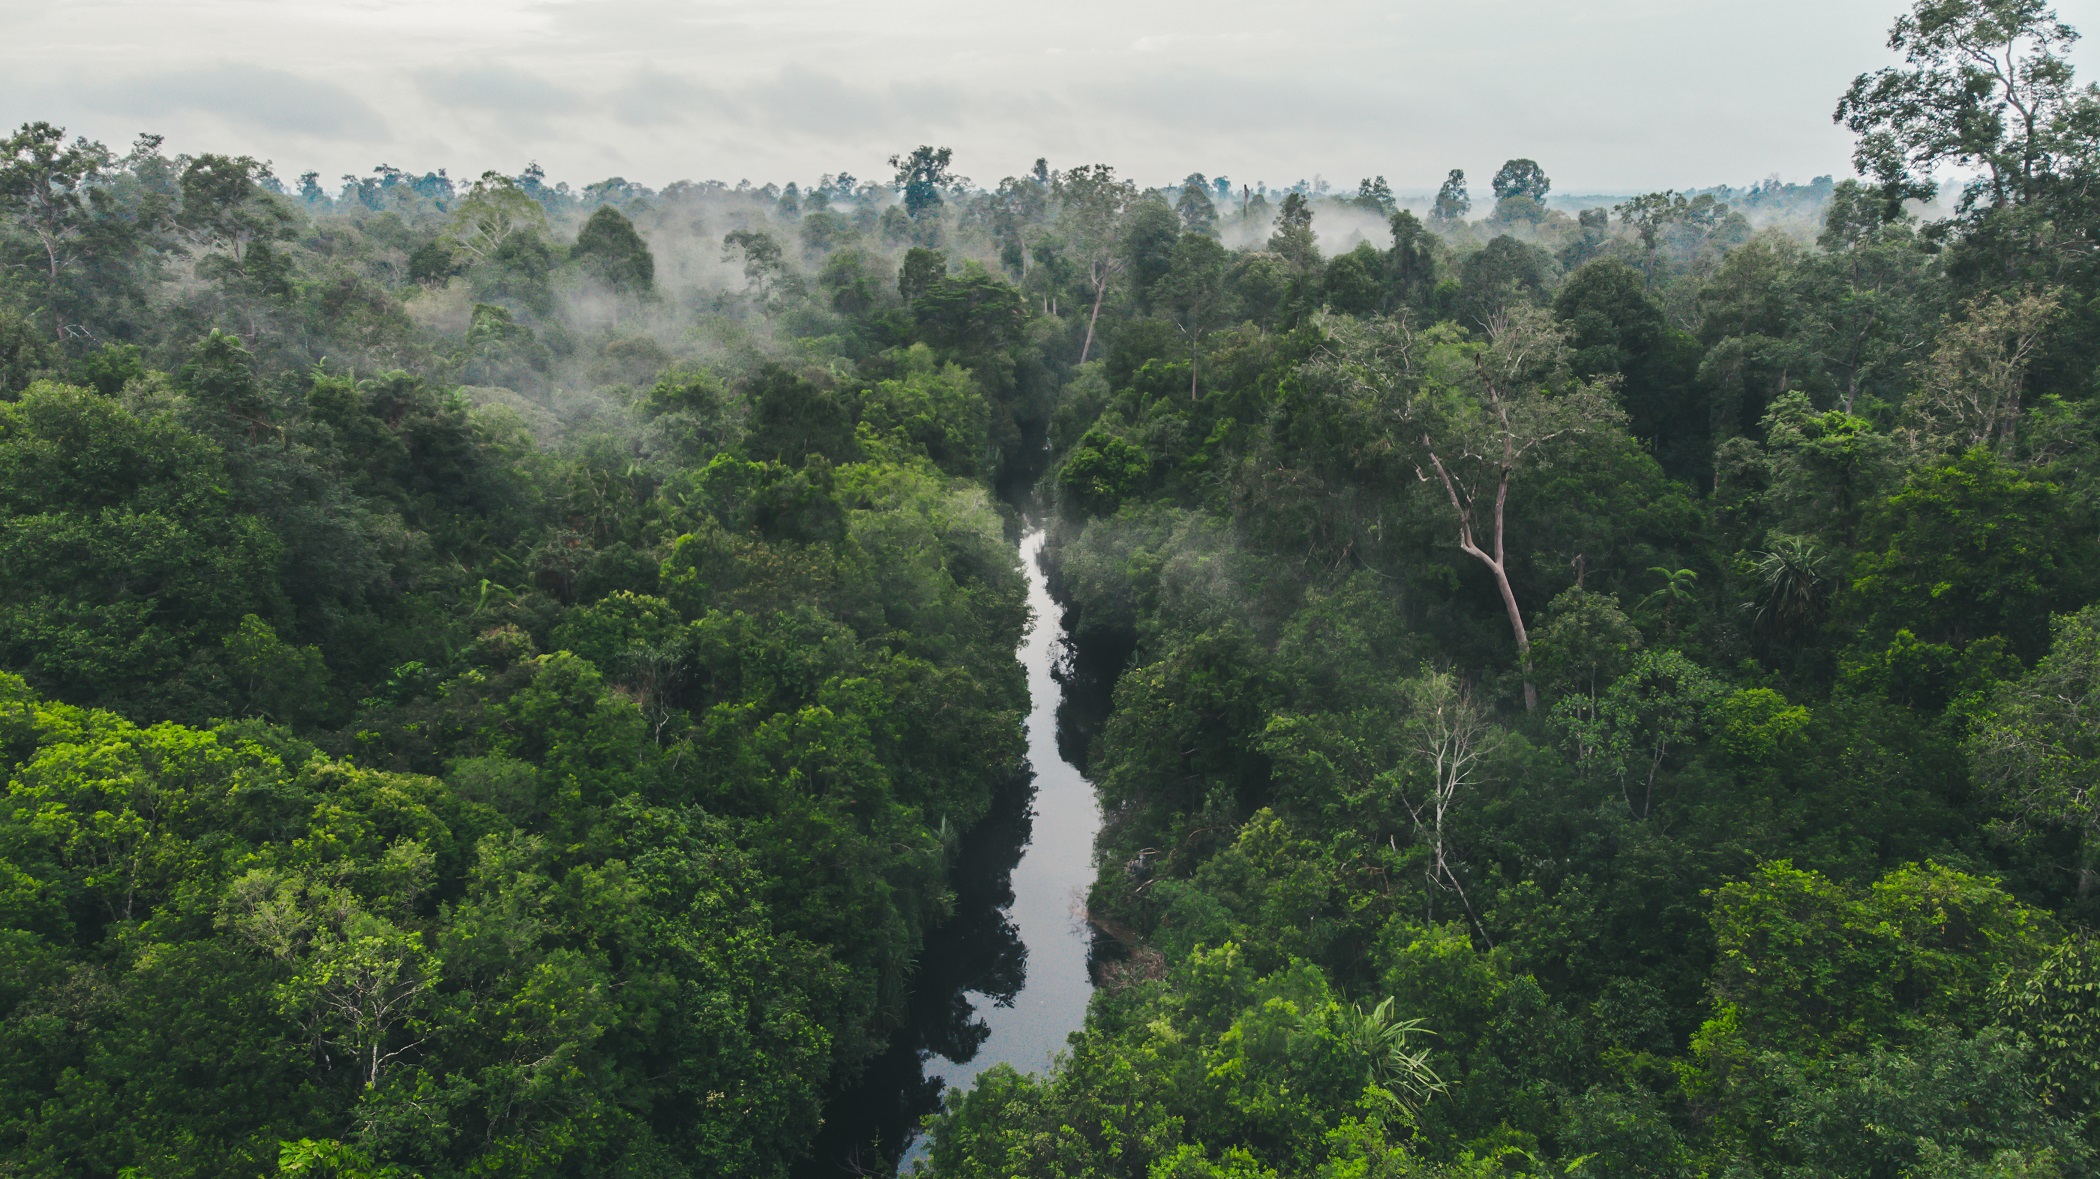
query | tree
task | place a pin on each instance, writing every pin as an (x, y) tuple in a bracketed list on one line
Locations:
[(1478, 434), (1986, 86), (1198, 214), (1091, 208), (1354, 282), (1521, 178), (1864, 308), (933, 408), (1792, 586), (275, 680), (1652, 214), (971, 316), (610, 249), (1811, 966), (25, 352), (1616, 329), (2056, 1009), (1974, 548), (921, 175), (921, 269), (791, 417), (2037, 747), (1822, 469), (225, 207), (1018, 207), (1382, 1037), (1972, 386), (359, 981), (45, 190), (1448, 735), (125, 555), (1149, 234), (1374, 195), (326, 1158), (1195, 292), (765, 265), (1452, 203), (1412, 262), (494, 212), (1586, 643), (1658, 708), (1293, 238), (1505, 274), (1679, 587)]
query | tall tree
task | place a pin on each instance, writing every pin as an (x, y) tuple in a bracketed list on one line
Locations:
[(1149, 233), (1452, 201), (1975, 379), (765, 264), (1448, 735), (1478, 436), (921, 175), (225, 207), (1521, 178), (1412, 262), (2037, 747), (1018, 207), (1985, 85), (44, 190), (495, 211), (1294, 237), (1198, 214), (1092, 205), (614, 253), (1195, 292), (1374, 195), (1616, 329)]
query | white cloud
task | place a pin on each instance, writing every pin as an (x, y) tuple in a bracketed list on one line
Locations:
[(1607, 94), (246, 96)]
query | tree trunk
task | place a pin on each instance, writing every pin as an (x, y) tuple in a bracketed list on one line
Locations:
[(1516, 623), (1494, 563), (1100, 289), (58, 325)]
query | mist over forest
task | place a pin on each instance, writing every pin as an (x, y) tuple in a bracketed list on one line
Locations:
[(516, 675)]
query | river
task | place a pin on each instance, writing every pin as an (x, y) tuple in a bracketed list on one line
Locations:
[(1050, 882), (1006, 979)]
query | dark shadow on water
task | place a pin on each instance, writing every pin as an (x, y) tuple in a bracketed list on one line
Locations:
[(972, 1002), (868, 1122), (1086, 676)]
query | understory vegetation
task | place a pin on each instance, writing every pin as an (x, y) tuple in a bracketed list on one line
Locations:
[(495, 677)]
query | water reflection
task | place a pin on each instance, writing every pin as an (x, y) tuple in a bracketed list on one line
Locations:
[(1006, 979), (868, 1125)]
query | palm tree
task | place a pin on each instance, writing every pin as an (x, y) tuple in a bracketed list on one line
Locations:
[(1400, 1076), (1679, 585), (1790, 585)]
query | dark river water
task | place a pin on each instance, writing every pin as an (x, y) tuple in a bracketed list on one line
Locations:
[(1006, 979)]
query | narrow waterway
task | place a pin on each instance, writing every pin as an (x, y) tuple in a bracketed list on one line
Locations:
[(1006, 979), (1050, 882)]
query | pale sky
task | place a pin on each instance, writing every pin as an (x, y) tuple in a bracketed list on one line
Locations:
[(1609, 96)]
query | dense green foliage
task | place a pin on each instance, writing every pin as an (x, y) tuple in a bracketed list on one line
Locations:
[(406, 770), (1719, 804), (494, 677)]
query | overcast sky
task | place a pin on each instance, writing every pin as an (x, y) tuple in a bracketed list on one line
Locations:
[(1608, 95)]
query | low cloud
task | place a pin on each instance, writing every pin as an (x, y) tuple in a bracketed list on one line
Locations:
[(254, 97), (497, 88), (653, 98)]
